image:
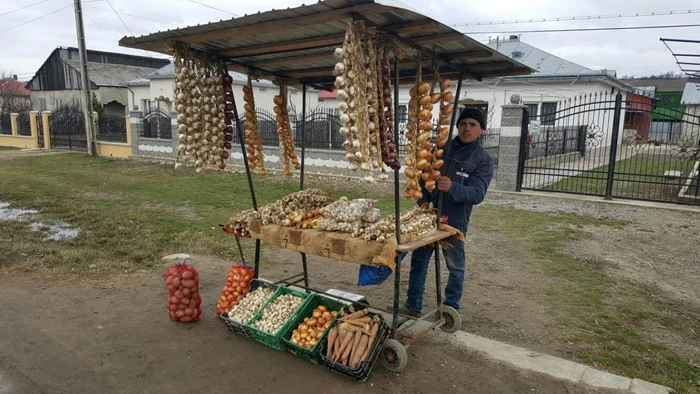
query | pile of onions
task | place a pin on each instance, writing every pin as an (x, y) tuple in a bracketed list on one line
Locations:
[(284, 131), (256, 158), (200, 107), (226, 83), (446, 109)]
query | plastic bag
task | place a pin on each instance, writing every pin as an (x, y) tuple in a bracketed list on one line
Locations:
[(184, 302), (370, 275), (237, 285)]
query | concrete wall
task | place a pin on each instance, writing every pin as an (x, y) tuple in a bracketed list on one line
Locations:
[(14, 140), (52, 98)]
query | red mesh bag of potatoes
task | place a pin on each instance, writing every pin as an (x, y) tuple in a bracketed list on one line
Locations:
[(237, 285), (184, 302)]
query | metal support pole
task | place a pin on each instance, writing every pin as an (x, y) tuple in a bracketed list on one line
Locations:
[(438, 280), (397, 208), (613, 146), (522, 154), (444, 170), (87, 94), (303, 135), (241, 139), (301, 178)]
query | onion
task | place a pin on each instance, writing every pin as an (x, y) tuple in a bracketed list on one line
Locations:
[(445, 84), (424, 100), (417, 195), (447, 96), (437, 164), (435, 98), (278, 100), (425, 115), (424, 88)]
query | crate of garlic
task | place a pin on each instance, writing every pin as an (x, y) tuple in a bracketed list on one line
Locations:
[(245, 309), (273, 319)]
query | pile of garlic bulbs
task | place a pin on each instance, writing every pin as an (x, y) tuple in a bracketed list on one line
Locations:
[(256, 158), (200, 105), (364, 91)]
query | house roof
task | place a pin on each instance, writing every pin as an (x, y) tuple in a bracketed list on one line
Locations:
[(543, 62), (661, 84), (552, 69), (13, 87), (110, 74), (168, 72), (691, 94), (297, 44)]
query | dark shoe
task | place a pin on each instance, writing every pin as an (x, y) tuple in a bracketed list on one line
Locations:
[(404, 310)]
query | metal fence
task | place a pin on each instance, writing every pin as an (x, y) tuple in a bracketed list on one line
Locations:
[(156, 124), (111, 128), (23, 124), (5, 123)]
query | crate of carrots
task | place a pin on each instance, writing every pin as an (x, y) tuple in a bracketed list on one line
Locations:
[(354, 342)]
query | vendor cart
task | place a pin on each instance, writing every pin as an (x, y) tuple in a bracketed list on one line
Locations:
[(296, 46)]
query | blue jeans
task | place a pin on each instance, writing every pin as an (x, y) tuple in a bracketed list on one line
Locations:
[(420, 260)]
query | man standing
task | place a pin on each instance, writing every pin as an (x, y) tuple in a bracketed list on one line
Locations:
[(469, 169)]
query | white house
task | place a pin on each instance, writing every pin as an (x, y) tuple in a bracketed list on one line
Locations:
[(691, 114), (157, 90)]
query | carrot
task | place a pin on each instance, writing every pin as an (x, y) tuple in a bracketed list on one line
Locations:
[(355, 323), (354, 315), (350, 346), (347, 339), (338, 341), (332, 334), (357, 358), (355, 342), (370, 342), (364, 320)]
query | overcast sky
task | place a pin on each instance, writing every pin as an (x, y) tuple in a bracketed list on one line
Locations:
[(638, 52)]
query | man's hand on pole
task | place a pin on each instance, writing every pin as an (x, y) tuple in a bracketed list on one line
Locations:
[(444, 184)]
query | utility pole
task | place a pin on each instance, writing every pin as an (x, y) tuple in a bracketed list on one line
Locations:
[(87, 94)]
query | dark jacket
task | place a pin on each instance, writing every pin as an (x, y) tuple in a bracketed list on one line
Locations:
[(470, 168)]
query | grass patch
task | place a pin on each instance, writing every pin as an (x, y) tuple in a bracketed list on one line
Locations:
[(605, 316), (133, 213), (636, 177)]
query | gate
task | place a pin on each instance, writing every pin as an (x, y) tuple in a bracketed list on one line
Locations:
[(111, 128), (67, 128), (322, 129), (602, 145), (156, 124)]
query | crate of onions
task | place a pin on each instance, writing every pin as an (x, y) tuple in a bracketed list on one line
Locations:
[(276, 315), (304, 335)]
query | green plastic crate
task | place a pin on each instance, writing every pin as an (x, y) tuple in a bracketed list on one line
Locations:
[(315, 300), (275, 340)]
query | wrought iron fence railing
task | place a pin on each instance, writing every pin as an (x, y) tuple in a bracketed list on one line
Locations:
[(111, 128)]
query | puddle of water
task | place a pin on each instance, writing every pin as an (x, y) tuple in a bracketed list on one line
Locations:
[(55, 231), (14, 214), (58, 231)]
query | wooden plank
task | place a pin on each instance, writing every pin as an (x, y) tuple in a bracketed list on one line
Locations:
[(410, 27), (469, 55), (505, 73), (437, 38), (489, 66), (283, 24), (285, 46), (413, 245)]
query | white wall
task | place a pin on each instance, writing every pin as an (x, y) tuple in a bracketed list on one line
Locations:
[(263, 96), (690, 129)]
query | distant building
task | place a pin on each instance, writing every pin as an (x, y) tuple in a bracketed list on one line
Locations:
[(58, 81), (667, 112)]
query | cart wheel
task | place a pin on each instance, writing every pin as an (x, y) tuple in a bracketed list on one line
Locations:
[(453, 320), (394, 356)]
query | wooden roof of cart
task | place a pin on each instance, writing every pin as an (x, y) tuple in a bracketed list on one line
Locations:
[(297, 44)]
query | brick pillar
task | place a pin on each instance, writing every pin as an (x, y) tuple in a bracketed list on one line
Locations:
[(45, 125), (13, 125), (509, 149), (33, 124)]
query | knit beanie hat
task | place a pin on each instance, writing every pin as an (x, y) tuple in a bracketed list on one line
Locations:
[(473, 113)]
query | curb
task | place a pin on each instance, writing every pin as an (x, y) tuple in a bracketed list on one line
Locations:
[(559, 368)]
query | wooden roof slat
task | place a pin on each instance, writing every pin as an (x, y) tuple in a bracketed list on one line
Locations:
[(284, 46), (282, 24), (469, 56), (437, 38)]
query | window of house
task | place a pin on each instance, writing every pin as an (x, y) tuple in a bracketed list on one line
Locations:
[(532, 110), (548, 113), (263, 89), (145, 105), (42, 105), (402, 115)]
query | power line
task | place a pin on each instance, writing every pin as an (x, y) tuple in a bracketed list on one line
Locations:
[(120, 18), (586, 29), (214, 8), (115, 36), (134, 16), (35, 19), (26, 6), (576, 18)]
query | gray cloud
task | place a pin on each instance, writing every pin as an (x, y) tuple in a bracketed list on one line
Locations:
[(629, 52)]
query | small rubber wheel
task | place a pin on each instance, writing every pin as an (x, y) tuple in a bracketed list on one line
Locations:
[(394, 356), (453, 320)]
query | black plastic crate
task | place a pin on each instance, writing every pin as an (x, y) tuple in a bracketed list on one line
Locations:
[(241, 328), (360, 373)]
